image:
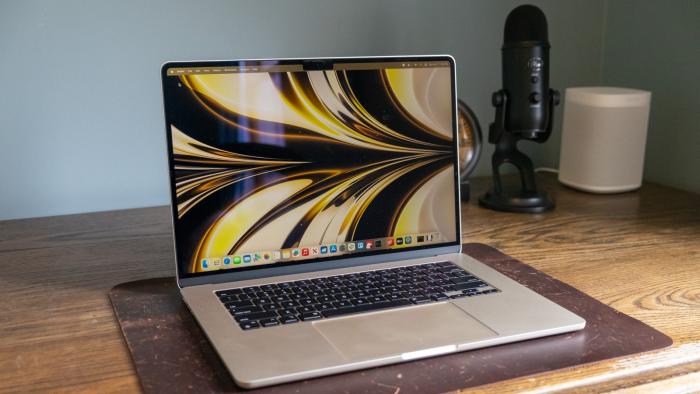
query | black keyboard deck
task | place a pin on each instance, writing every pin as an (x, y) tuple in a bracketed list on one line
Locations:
[(312, 299)]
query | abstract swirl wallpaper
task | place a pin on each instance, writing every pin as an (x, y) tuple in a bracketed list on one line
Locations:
[(277, 161)]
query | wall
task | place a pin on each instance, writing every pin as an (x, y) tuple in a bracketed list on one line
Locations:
[(81, 125), (653, 45)]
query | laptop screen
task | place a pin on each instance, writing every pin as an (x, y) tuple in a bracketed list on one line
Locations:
[(289, 162)]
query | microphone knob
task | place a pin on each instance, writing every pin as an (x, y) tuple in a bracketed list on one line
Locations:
[(497, 99), (535, 98), (555, 96)]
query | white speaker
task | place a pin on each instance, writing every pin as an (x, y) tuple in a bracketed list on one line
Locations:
[(603, 138)]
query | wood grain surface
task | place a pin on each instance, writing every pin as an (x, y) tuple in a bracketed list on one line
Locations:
[(637, 252)]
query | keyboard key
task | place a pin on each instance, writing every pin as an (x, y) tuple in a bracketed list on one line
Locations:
[(238, 304), (455, 294), (225, 293), (311, 316), (288, 319), (306, 308), (360, 301), (420, 299), (315, 293), (470, 285), (255, 316), (305, 301), (433, 290), (323, 307), (246, 310), (249, 325), (376, 299), (342, 304), (439, 297), (228, 298), (366, 308), (269, 322), (463, 279), (263, 301)]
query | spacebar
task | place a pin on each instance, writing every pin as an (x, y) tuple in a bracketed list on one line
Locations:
[(366, 308)]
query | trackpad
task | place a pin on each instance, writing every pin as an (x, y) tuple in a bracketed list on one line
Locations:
[(401, 331)]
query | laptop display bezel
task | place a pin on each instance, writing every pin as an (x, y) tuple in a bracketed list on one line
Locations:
[(310, 265)]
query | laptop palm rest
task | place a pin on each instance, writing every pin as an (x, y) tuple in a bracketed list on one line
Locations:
[(410, 332)]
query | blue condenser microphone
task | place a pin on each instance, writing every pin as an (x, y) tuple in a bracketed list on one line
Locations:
[(524, 110)]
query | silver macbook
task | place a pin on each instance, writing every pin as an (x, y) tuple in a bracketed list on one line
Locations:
[(316, 216)]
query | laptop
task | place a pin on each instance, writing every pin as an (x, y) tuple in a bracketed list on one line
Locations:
[(316, 216)]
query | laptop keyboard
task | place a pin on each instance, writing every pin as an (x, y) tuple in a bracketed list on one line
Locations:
[(340, 295)]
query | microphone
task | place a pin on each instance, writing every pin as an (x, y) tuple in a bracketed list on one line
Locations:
[(525, 76), (524, 109)]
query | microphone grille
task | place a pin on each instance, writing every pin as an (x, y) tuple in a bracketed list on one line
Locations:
[(525, 23)]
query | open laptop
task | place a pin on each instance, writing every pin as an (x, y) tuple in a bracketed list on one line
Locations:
[(316, 214)]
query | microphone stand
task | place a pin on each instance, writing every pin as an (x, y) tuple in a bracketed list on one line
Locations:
[(528, 199)]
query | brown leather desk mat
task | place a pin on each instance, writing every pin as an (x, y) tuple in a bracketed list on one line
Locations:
[(171, 353)]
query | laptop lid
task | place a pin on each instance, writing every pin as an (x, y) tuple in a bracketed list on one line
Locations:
[(286, 166)]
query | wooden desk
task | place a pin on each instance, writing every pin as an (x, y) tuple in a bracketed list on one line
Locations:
[(638, 252)]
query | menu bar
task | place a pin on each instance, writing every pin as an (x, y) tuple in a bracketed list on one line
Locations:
[(380, 65), (177, 71)]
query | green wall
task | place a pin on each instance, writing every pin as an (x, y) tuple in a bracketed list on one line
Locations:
[(81, 118), (81, 125), (655, 45)]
